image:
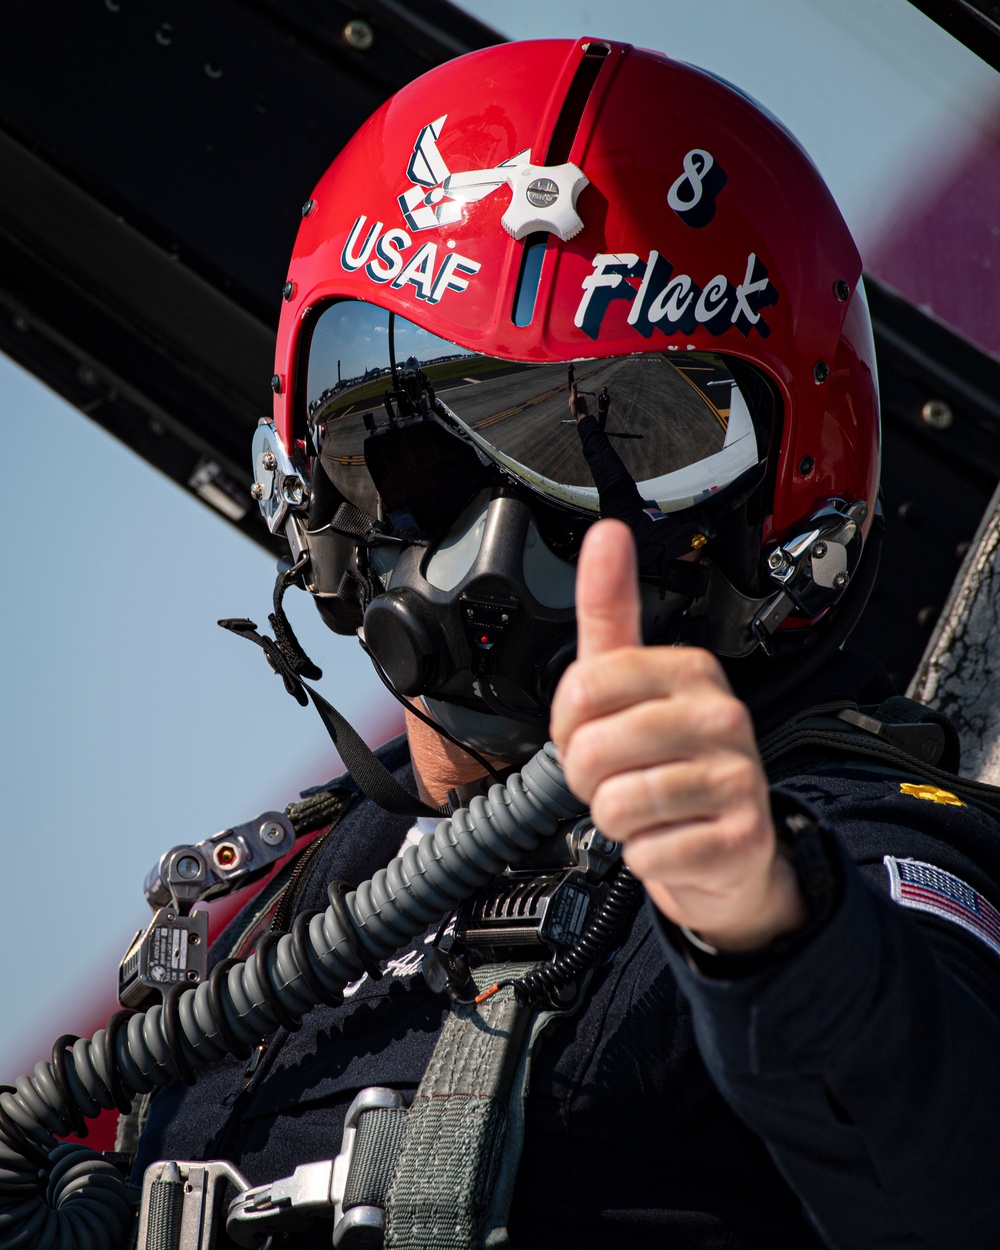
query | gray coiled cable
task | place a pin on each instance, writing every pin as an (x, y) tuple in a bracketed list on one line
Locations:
[(79, 1201)]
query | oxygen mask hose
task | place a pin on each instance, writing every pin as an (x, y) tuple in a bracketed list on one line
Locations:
[(66, 1197)]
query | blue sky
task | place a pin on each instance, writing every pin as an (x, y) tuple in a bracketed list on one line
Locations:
[(130, 722)]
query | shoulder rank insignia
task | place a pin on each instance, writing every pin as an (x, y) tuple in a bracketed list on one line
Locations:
[(934, 793)]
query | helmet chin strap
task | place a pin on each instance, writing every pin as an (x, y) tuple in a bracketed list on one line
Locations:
[(286, 657)]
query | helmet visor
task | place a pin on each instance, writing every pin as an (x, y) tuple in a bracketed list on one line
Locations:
[(676, 420)]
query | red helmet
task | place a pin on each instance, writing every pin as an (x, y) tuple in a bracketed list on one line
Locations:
[(554, 202)]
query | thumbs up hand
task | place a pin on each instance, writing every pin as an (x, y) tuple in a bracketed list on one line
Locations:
[(654, 739)]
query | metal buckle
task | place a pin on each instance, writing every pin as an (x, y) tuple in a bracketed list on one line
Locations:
[(316, 1191), (288, 1205), (174, 947), (188, 1195), (359, 1228)]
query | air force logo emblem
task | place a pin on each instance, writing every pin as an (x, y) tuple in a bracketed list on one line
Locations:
[(543, 197)]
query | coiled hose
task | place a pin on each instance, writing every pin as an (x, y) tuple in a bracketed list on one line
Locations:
[(542, 986), (65, 1197)]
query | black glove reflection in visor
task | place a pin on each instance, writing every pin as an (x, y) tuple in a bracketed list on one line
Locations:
[(480, 483)]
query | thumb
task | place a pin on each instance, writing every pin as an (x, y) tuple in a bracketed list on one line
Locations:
[(607, 591)]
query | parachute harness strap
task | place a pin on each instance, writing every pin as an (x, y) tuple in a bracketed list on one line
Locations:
[(463, 1135), (285, 655), (437, 1174)]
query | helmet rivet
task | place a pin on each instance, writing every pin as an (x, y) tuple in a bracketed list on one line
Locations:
[(257, 492), (288, 291), (821, 371), (359, 35), (806, 465), (841, 290), (276, 383), (542, 193), (308, 207), (937, 414)]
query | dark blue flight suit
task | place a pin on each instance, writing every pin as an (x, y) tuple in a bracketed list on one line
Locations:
[(850, 1087)]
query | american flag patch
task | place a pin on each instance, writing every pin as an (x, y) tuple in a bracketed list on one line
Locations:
[(926, 888)]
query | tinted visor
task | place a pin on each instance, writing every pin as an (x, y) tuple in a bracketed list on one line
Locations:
[(676, 421)]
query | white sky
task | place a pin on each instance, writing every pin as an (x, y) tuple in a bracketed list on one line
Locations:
[(130, 722)]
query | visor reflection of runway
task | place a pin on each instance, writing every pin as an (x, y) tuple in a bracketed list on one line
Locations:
[(670, 423), (660, 419)]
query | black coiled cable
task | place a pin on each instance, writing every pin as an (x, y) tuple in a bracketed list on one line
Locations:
[(77, 1122), (121, 1098), (300, 945), (335, 892), (285, 1019), (31, 1150), (544, 987), (236, 1046)]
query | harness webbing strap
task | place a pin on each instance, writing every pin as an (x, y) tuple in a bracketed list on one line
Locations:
[(376, 1149), (446, 1182), (813, 742), (443, 1170)]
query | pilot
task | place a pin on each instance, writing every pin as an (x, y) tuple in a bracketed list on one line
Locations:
[(755, 1003), (792, 1040)]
